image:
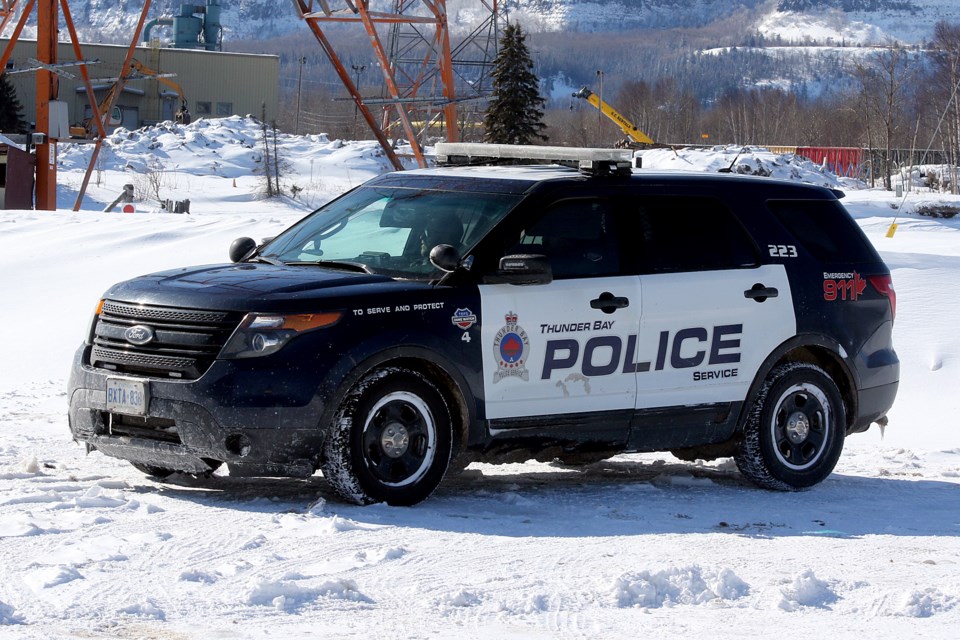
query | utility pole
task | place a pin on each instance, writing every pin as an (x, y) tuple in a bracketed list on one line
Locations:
[(46, 152), (600, 110), (302, 60), (358, 68)]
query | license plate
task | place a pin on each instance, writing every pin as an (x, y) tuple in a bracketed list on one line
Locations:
[(127, 396)]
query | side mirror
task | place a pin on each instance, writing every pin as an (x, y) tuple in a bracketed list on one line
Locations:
[(242, 248), (522, 269), (445, 257)]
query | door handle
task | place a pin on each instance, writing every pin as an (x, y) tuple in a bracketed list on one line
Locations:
[(760, 293), (608, 303)]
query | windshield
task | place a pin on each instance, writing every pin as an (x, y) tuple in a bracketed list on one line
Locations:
[(391, 230)]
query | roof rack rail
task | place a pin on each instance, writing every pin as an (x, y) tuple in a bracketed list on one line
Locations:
[(594, 162)]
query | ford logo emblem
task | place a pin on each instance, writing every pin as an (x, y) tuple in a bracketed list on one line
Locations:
[(139, 335)]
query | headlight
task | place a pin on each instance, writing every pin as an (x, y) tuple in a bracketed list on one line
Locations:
[(261, 334), (92, 327)]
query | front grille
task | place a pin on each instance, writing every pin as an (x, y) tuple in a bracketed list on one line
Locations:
[(185, 342)]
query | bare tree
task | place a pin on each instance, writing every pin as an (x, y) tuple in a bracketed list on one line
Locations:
[(946, 83), (884, 79), (641, 106)]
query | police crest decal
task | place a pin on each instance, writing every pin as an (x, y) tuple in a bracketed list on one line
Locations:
[(510, 348)]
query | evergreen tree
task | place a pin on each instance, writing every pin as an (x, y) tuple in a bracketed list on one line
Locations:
[(11, 111), (515, 114)]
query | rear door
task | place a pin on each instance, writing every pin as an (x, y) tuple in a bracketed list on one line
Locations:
[(712, 311)]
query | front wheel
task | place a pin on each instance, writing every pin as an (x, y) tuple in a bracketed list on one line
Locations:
[(794, 433), (390, 441)]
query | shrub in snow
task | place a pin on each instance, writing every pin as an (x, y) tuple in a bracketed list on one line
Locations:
[(937, 210)]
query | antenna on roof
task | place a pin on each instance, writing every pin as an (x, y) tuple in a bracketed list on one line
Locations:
[(729, 169)]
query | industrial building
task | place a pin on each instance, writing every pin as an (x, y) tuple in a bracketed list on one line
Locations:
[(215, 84)]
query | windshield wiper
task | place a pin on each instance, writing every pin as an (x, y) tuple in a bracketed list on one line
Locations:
[(334, 264), (274, 261)]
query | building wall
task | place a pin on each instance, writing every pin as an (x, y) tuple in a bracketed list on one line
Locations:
[(216, 84)]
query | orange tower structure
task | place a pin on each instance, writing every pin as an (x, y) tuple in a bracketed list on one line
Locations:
[(417, 62), (48, 22), (409, 70), (7, 9)]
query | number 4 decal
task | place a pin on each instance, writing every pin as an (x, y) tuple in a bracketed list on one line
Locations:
[(782, 250)]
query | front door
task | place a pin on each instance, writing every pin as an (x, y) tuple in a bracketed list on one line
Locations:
[(130, 118), (565, 347), (168, 108)]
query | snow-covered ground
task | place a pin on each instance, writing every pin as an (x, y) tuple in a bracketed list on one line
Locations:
[(640, 545)]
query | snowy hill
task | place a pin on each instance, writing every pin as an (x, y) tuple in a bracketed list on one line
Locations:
[(868, 21), (112, 21), (908, 20)]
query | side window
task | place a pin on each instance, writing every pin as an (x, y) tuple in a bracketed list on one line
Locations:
[(687, 233), (203, 108), (825, 230), (577, 236)]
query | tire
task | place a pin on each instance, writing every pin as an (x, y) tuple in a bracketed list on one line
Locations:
[(794, 433), (150, 470), (390, 440)]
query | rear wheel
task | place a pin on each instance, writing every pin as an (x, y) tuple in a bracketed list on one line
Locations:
[(794, 433), (390, 441)]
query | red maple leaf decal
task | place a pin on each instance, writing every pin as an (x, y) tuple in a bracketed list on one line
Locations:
[(860, 285)]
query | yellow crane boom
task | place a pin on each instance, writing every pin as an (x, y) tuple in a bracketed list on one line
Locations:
[(625, 125), (138, 70)]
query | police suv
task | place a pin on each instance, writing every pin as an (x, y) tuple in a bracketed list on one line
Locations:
[(433, 317)]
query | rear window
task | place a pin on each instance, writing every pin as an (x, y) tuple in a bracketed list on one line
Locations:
[(825, 230), (687, 233)]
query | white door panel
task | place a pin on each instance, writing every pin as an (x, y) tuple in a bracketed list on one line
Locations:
[(546, 351), (702, 340)]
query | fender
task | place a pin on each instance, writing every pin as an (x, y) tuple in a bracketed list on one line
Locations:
[(369, 354), (797, 342)]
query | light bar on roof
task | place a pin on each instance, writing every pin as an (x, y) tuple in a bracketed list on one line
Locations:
[(592, 161)]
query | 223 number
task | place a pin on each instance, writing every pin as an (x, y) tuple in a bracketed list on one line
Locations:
[(782, 250)]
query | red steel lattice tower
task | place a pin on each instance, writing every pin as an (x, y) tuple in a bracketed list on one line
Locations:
[(423, 72)]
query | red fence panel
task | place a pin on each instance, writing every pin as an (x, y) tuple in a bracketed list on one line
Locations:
[(843, 161)]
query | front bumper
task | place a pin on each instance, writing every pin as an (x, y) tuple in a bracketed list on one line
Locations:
[(265, 422)]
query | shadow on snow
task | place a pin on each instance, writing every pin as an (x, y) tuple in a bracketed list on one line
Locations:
[(614, 498)]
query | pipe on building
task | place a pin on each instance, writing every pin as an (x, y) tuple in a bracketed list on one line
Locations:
[(187, 29), (167, 22), (212, 30)]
